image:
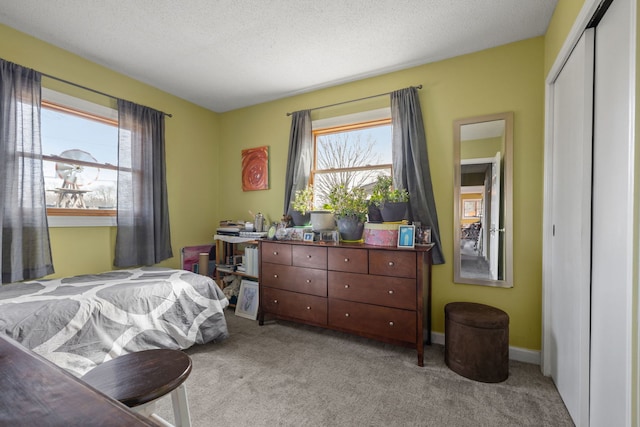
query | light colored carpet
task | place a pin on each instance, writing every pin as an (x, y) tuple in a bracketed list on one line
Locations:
[(285, 374)]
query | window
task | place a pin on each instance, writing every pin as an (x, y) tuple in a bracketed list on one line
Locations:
[(353, 155), (80, 156)]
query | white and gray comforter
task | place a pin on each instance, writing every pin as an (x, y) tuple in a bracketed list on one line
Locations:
[(79, 322)]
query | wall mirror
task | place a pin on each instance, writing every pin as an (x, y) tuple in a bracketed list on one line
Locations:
[(483, 214)]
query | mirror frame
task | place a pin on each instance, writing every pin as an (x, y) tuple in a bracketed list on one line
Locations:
[(507, 167)]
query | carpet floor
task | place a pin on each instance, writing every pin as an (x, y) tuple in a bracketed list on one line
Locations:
[(285, 374)]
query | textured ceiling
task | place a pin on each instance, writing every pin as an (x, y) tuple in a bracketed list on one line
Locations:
[(227, 54)]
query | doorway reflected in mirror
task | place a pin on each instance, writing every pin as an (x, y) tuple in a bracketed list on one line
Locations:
[(482, 148)]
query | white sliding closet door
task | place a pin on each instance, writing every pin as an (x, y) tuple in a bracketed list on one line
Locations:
[(589, 260), (613, 166), (567, 295)]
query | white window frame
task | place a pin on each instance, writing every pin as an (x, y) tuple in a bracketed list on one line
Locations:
[(58, 221), (345, 121)]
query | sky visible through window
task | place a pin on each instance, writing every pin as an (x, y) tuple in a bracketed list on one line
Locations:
[(345, 150), (380, 136), (60, 132)]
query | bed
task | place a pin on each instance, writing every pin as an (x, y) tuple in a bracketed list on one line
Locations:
[(79, 322)]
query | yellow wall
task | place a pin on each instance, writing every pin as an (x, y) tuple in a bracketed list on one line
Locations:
[(191, 149), (203, 151), (561, 22), (635, 296), (481, 148), (507, 78)]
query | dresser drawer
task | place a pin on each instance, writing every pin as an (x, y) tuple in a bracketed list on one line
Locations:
[(384, 322), (276, 253), (351, 260), (392, 263), (309, 256), (307, 308), (395, 292), (297, 279)]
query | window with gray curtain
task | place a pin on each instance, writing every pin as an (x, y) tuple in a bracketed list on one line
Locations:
[(410, 160), (411, 163), (143, 236), (26, 249), (300, 157)]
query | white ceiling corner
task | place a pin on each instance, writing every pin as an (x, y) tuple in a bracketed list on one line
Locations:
[(228, 54)]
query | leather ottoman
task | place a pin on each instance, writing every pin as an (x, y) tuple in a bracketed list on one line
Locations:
[(477, 341)]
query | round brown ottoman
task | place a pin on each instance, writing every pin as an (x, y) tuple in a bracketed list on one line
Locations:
[(476, 343)]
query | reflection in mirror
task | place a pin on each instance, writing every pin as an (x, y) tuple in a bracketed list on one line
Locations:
[(482, 200)]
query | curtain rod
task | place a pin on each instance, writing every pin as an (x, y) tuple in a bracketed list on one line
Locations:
[(89, 89), (354, 100)]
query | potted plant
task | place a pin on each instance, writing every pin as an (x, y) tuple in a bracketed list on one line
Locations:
[(301, 206), (349, 206), (392, 202)]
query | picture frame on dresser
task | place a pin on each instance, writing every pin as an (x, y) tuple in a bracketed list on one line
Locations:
[(406, 236), (248, 300)]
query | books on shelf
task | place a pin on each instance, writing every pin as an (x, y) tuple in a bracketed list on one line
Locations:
[(251, 260), (253, 234)]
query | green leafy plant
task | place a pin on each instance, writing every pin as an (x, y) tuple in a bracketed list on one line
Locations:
[(383, 191), (303, 200), (348, 203)]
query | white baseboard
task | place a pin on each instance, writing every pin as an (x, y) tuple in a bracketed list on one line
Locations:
[(515, 353)]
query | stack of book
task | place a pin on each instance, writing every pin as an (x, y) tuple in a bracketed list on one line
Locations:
[(251, 260), (230, 228)]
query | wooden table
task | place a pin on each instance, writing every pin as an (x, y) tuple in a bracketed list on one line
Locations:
[(138, 379), (36, 392)]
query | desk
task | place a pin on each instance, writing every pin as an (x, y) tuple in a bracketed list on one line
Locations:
[(37, 392)]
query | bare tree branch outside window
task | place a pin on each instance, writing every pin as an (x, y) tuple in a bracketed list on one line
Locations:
[(352, 158)]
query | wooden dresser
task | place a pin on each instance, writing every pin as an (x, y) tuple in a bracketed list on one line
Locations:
[(378, 292)]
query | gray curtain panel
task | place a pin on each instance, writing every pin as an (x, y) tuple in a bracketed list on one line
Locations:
[(411, 162), (300, 158), (26, 249), (143, 236)]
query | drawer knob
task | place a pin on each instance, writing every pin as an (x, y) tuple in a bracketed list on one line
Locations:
[(346, 286), (308, 280), (308, 308), (391, 292), (390, 263), (390, 323), (309, 256), (346, 315), (346, 260), (275, 301), (275, 275), (275, 252)]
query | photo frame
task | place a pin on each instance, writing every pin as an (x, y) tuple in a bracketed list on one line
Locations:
[(406, 236), (329, 236), (248, 299), (307, 237), (423, 237)]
